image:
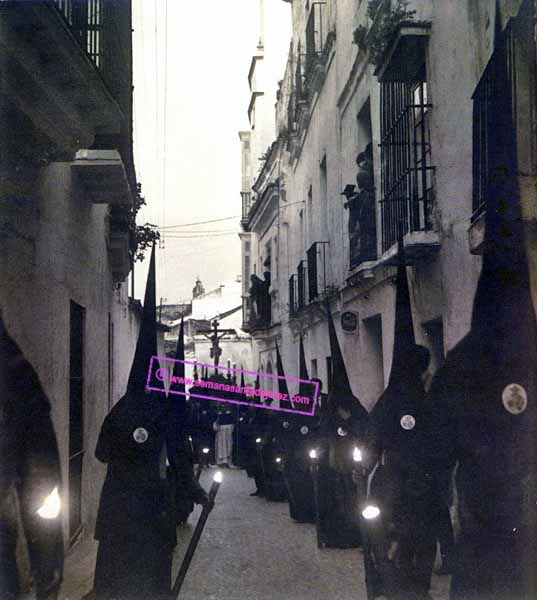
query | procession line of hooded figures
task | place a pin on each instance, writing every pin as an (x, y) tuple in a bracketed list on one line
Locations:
[(379, 480)]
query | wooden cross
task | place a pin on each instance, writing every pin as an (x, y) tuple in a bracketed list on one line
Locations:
[(215, 335)]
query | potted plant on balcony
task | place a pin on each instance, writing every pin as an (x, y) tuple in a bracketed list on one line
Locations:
[(385, 17)]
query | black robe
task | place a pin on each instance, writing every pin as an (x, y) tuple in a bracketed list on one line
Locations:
[(296, 436), (338, 499), (135, 522)]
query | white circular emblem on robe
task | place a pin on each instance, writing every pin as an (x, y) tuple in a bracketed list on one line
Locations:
[(140, 435), (341, 432), (408, 422), (304, 429), (514, 399)]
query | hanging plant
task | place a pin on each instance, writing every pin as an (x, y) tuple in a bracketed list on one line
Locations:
[(141, 237), (385, 17)]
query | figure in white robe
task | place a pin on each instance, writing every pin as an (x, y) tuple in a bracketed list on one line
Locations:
[(223, 427)]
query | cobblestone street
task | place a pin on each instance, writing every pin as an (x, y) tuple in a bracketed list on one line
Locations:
[(250, 550)]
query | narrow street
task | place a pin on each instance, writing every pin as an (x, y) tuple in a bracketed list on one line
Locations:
[(250, 550)]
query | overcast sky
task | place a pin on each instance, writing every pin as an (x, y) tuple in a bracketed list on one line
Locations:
[(186, 121)]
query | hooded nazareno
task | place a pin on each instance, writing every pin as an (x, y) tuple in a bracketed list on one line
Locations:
[(135, 526), (342, 429), (483, 401)]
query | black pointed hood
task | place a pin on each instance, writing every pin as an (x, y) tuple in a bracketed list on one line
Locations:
[(404, 342), (178, 401), (135, 428), (491, 373), (146, 346), (179, 367), (341, 393), (396, 418), (303, 388)]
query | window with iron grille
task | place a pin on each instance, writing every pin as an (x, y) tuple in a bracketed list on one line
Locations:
[(301, 285), (85, 18), (315, 34), (316, 269), (313, 284), (407, 182), (491, 94), (292, 294)]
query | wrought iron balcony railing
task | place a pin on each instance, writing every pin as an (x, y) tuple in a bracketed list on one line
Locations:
[(86, 19), (407, 175), (301, 285), (315, 34), (317, 256)]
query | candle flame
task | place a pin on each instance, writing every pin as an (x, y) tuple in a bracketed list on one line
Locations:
[(205, 451), (218, 477), (357, 455), (51, 506), (313, 454), (258, 440), (371, 512), (278, 460)]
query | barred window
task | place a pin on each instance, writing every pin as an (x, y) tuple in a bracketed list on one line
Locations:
[(407, 189), (292, 294)]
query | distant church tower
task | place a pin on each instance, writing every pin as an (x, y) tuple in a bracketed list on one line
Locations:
[(198, 290)]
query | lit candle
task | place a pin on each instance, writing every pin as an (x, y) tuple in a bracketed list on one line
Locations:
[(51, 506), (313, 454), (371, 512), (217, 480), (357, 455)]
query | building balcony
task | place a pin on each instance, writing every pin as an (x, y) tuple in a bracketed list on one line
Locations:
[(50, 71), (404, 57), (419, 246), (246, 198), (103, 176)]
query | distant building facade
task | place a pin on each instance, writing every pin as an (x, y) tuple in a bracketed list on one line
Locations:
[(222, 304), (381, 132)]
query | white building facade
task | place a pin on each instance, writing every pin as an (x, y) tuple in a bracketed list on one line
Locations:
[(381, 132)]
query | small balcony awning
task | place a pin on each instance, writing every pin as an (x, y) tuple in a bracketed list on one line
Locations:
[(103, 175), (405, 56)]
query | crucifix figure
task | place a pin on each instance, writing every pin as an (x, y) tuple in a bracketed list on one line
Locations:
[(215, 335)]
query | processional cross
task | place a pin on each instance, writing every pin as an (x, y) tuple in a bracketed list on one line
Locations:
[(215, 335)]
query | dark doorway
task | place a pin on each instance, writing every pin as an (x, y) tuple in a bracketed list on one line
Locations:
[(76, 418)]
